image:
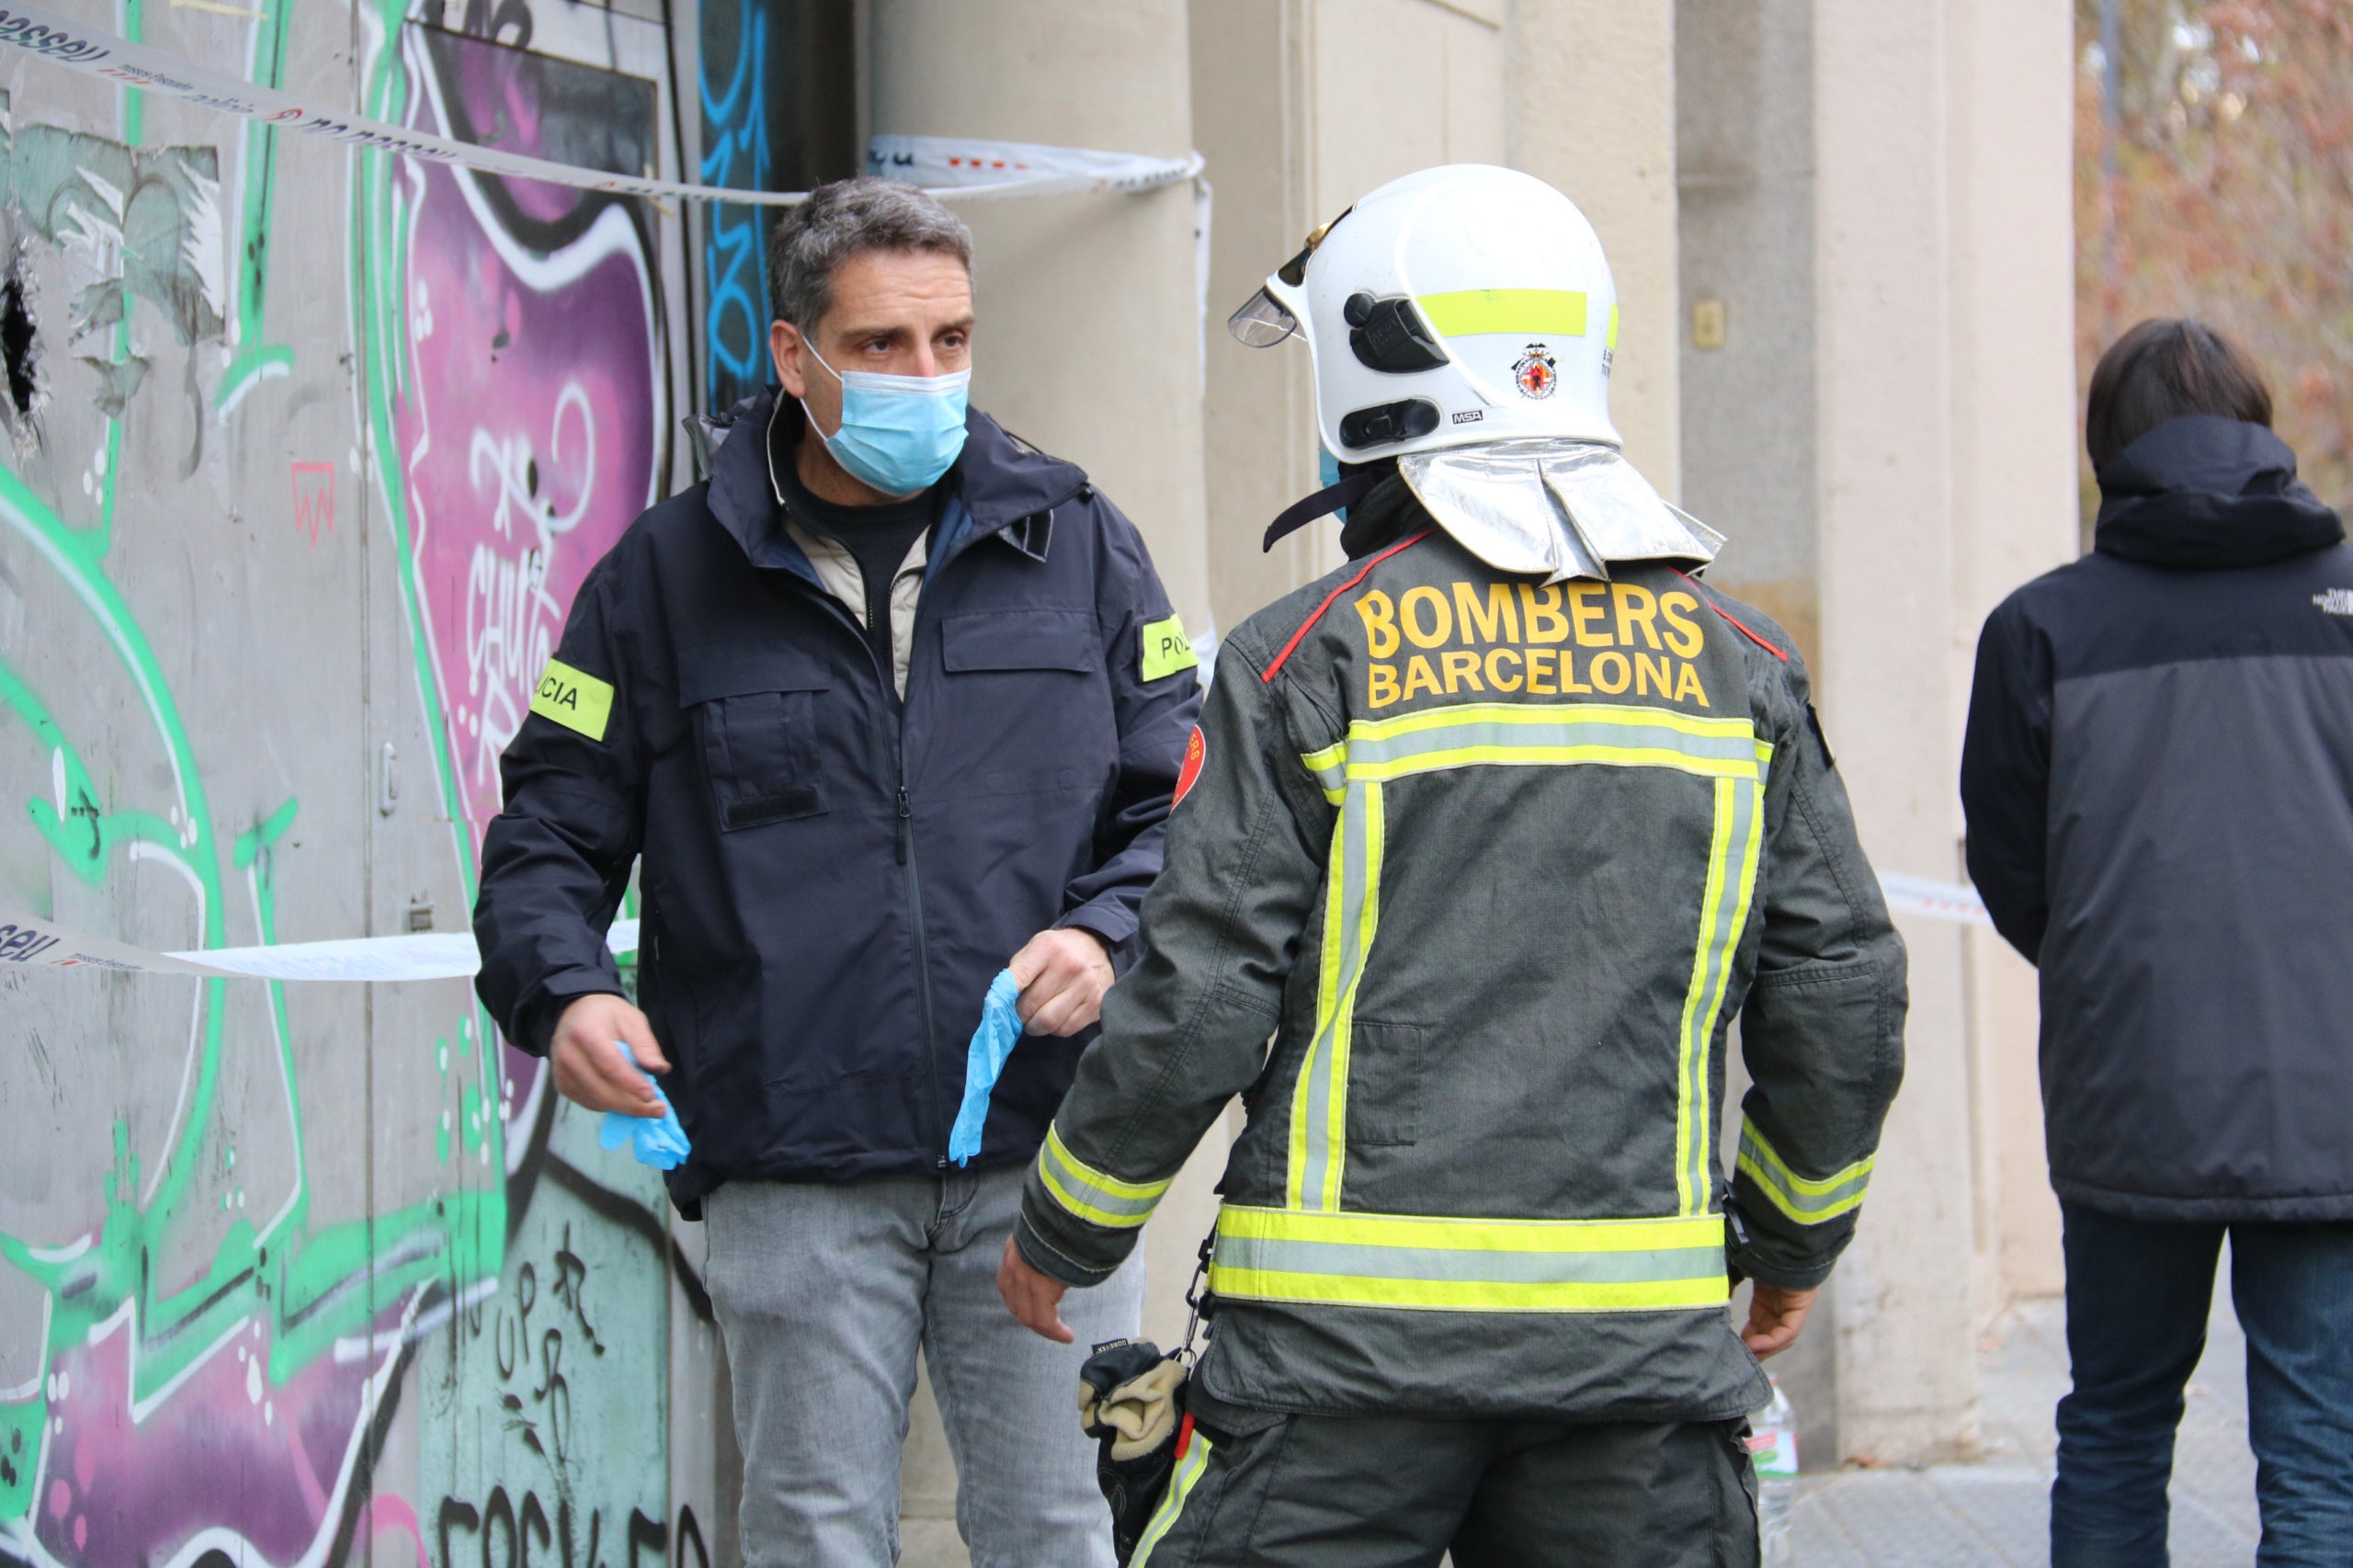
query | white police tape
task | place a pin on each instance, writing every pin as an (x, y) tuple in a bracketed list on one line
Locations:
[(1956, 901), (29, 942), (953, 168)]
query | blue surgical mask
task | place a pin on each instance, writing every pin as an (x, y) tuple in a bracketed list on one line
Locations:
[(899, 434)]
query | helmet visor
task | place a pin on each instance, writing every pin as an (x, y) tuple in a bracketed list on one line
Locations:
[(1262, 323)]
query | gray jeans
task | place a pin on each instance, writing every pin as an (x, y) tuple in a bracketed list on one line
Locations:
[(824, 1294)]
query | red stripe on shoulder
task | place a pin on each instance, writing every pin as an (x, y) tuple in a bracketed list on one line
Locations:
[(1738, 624), (1333, 598)]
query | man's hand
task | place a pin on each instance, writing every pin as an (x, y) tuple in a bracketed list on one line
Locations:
[(1063, 975), (1775, 1316), (590, 1070), (1033, 1298)]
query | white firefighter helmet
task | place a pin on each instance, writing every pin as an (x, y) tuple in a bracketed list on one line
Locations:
[(1463, 304)]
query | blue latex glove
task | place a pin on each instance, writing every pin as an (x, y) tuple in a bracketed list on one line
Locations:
[(991, 1043), (658, 1142)]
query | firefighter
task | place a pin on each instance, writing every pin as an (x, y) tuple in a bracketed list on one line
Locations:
[(1494, 832)]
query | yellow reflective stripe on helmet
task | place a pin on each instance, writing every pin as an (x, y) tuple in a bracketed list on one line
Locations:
[(1611, 341), (1806, 1200), (1723, 914), (1531, 312), (1469, 1265), (1090, 1194), (1319, 1108), (1188, 1475)]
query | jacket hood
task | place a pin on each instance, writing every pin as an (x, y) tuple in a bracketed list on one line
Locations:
[(998, 477), (2209, 492)]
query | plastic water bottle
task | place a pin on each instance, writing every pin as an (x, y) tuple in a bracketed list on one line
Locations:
[(1773, 1450)]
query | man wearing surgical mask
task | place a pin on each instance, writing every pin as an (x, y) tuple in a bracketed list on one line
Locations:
[(892, 702)]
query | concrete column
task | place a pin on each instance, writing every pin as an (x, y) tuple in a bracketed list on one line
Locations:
[(1089, 306), (1592, 102), (2014, 421), (1745, 182)]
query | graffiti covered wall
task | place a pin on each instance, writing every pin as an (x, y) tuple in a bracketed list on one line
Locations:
[(305, 451)]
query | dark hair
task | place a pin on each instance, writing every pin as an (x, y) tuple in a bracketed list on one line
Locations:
[(2166, 368), (848, 218)]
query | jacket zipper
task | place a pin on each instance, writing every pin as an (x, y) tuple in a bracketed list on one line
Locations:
[(906, 857), (923, 955)]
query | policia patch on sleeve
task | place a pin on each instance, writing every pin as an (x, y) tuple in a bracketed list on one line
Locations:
[(574, 699), (1166, 649)]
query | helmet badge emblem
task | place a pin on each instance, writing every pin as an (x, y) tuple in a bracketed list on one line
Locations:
[(1534, 372)]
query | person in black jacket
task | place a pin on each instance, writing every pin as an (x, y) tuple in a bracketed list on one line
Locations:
[(892, 704), (2158, 777)]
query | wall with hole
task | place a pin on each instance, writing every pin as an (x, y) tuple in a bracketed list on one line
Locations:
[(305, 451)]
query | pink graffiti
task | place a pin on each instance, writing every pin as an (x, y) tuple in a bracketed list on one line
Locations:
[(125, 1475), (314, 498), (527, 434)]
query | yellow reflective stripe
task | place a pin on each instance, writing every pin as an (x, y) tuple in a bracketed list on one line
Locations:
[(1611, 342), (1547, 734), (1186, 1476), (1092, 1195), (1368, 921), (1447, 1233), (1330, 767), (1419, 1262), (1552, 756), (1319, 1109), (1411, 1295), (1733, 856), (1719, 854), (1806, 1200), (1537, 313), (1547, 713)]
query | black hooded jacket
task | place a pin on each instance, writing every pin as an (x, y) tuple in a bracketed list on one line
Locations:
[(831, 879), (2158, 778)]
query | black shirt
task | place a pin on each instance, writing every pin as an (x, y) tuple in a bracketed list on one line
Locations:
[(877, 537)]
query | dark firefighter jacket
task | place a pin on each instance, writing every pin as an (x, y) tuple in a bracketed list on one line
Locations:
[(831, 879), (1495, 864), (2159, 784)]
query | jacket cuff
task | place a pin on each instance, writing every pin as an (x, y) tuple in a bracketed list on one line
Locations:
[(1771, 1256), (537, 1018), (1041, 1255), (1112, 921)]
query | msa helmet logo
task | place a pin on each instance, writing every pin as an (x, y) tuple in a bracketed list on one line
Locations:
[(1535, 372), (2334, 601), (1470, 415)]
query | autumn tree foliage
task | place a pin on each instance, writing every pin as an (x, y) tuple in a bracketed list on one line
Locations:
[(2219, 185)]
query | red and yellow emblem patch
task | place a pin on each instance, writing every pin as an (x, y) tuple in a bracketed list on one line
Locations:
[(1196, 751)]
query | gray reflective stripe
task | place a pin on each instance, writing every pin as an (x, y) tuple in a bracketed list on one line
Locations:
[(1731, 884), (1466, 1266), (1319, 1150), (1331, 773), (1088, 1193), (1812, 1203), (1377, 750)]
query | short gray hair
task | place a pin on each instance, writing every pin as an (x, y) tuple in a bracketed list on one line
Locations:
[(849, 218)]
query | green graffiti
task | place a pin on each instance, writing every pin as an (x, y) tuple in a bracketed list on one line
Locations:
[(257, 359)]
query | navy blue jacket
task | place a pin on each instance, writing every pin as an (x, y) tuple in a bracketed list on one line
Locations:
[(2159, 784), (830, 880)]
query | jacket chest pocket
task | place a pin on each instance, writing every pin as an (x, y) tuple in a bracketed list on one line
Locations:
[(755, 712)]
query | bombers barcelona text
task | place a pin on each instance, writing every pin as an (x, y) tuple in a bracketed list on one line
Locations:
[(1517, 639)]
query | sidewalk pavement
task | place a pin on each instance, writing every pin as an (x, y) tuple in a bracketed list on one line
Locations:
[(1995, 1512), (1992, 1512)]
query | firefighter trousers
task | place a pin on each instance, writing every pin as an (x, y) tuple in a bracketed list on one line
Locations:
[(1269, 1490)]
